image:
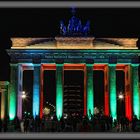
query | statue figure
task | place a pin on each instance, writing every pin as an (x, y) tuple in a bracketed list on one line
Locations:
[(71, 26), (75, 27), (62, 28), (79, 26), (86, 28)]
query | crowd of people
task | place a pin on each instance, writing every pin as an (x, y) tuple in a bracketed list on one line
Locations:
[(71, 123)]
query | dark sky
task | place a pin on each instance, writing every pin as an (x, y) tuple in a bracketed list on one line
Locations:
[(34, 22), (45, 22)]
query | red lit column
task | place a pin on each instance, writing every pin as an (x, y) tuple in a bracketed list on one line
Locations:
[(41, 91), (106, 91), (128, 93), (85, 91)]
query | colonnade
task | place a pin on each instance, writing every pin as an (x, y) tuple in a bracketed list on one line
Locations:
[(132, 97)]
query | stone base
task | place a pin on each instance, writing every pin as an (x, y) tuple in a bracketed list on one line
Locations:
[(74, 42)]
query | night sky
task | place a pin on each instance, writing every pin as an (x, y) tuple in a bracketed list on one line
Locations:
[(34, 22)]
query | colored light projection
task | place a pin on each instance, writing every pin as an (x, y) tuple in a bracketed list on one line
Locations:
[(106, 90), (128, 92), (112, 83), (135, 88), (59, 91), (20, 86), (36, 90), (90, 97), (12, 95)]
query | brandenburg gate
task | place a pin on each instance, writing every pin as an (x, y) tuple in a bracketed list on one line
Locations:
[(75, 52)]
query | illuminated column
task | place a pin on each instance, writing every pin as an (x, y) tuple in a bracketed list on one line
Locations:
[(36, 90), (59, 90), (112, 89), (106, 91), (85, 91), (128, 93), (41, 91), (20, 89), (2, 104), (4, 99), (135, 89), (90, 92), (13, 91)]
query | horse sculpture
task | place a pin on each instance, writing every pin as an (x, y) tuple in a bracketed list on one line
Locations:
[(74, 27)]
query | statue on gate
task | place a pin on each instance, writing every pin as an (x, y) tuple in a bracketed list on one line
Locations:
[(75, 27)]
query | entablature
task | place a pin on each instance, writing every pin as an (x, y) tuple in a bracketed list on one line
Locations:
[(100, 56)]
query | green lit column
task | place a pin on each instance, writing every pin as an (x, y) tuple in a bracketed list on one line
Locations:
[(59, 90), (112, 90), (90, 92), (13, 91), (135, 89)]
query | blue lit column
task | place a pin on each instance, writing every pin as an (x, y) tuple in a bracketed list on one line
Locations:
[(135, 89), (90, 92), (12, 96), (112, 90), (36, 90), (59, 90)]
